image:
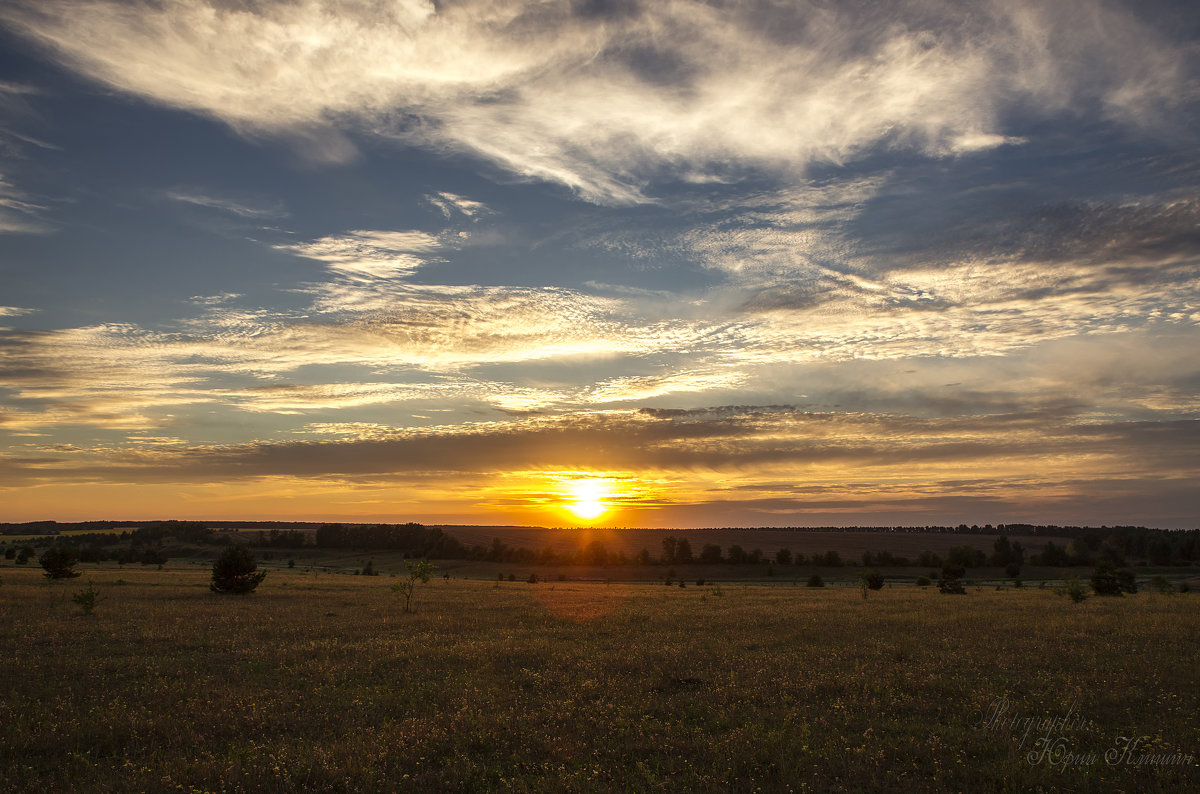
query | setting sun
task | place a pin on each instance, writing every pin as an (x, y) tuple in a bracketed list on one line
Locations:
[(586, 498)]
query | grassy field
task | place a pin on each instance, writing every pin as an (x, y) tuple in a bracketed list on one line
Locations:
[(320, 682)]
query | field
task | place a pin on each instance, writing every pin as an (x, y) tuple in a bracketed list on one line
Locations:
[(321, 682)]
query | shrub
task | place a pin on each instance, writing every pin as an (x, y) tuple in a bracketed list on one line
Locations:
[(1108, 580), (10, 553), (1160, 584), (923, 581), (88, 599), (1012, 570), (873, 579), (816, 581), (59, 562), (235, 571), (951, 585), (1075, 590), (533, 578), (24, 555)]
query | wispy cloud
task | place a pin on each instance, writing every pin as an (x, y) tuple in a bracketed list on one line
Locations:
[(604, 99), (451, 204), (243, 209), (19, 212)]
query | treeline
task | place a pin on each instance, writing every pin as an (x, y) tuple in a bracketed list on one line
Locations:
[(151, 542)]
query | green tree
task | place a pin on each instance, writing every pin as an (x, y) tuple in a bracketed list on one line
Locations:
[(59, 562), (1107, 579), (417, 571), (235, 571), (88, 599)]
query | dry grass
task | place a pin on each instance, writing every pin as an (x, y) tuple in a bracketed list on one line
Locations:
[(321, 682)]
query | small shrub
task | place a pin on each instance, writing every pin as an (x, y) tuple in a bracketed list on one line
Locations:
[(923, 581), (1018, 583), (24, 555), (88, 599), (700, 582), (534, 578), (717, 591), (1185, 587), (951, 585), (235, 571), (816, 581), (1159, 584), (873, 579), (1074, 590), (1012, 570)]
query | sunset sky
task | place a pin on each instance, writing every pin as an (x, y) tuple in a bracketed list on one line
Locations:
[(670, 262)]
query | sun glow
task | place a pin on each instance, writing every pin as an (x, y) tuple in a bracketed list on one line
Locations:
[(586, 498)]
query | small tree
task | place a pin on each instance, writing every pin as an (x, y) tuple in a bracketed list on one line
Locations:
[(235, 571), (88, 599), (1074, 590), (816, 581), (24, 555), (418, 571), (1108, 580), (59, 562), (874, 580)]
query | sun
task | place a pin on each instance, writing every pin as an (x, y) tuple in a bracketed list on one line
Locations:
[(586, 498)]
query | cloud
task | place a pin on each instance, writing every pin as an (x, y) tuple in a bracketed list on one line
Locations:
[(242, 209), (607, 103), (451, 204), (368, 255), (19, 213)]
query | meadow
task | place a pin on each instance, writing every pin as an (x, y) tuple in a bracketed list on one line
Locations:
[(320, 682)]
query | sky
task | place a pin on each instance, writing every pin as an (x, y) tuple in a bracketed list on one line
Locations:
[(625, 263)]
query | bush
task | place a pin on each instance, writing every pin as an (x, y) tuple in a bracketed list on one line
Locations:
[(951, 585), (235, 571), (88, 599), (874, 580), (533, 578), (1160, 584), (923, 581), (1074, 590), (816, 581), (1108, 580), (24, 555), (59, 562)]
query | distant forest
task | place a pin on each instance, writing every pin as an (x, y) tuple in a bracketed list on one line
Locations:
[(152, 542)]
